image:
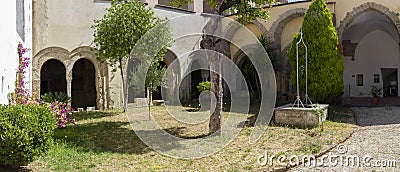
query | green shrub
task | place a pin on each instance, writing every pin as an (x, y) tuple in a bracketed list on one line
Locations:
[(203, 86), (26, 132), (56, 97)]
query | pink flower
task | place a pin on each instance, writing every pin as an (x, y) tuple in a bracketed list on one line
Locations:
[(61, 124)]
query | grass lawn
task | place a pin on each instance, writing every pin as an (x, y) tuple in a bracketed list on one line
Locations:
[(105, 141)]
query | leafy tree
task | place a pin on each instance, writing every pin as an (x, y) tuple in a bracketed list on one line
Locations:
[(118, 31), (325, 63), (153, 78), (246, 11)]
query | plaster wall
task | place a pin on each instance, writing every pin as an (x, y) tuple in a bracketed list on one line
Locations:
[(9, 44), (375, 51), (8, 49), (290, 30)]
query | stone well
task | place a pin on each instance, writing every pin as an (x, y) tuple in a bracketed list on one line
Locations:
[(299, 117)]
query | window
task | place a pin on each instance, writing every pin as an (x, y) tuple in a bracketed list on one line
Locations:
[(376, 78), (360, 79)]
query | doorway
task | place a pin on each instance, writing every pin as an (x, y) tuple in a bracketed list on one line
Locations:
[(83, 84), (390, 81)]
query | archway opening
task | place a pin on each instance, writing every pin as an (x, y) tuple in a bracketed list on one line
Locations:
[(157, 95), (83, 84), (53, 77), (197, 76), (252, 80), (370, 44), (132, 92)]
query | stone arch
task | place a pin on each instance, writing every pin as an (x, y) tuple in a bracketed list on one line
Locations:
[(40, 58), (274, 33), (254, 84), (350, 16), (260, 26), (238, 57), (232, 28), (68, 58), (89, 54), (169, 57)]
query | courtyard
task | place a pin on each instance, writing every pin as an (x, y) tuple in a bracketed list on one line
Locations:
[(93, 85), (105, 141)]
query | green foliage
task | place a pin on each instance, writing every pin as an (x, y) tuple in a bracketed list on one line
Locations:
[(26, 132), (120, 28), (203, 86), (153, 77), (319, 112), (325, 63), (272, 56), (375, 91), (56, 97), (245, 10)]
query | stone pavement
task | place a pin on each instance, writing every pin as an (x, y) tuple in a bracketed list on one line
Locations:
[(375, 143)]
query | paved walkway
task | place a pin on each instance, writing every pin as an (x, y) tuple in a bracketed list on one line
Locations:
[(367, 101), (378, 138)]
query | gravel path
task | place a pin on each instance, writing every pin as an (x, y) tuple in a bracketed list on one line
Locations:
[(376, 143)]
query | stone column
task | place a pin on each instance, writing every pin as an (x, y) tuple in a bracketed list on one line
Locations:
[(69, 86)]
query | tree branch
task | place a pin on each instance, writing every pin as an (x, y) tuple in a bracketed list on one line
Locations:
[(228, 4)]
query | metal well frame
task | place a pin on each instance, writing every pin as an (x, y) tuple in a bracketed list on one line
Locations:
[(298, 101)]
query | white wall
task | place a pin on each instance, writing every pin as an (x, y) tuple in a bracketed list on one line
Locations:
[(9, 40), (8, 48), (376, 50)]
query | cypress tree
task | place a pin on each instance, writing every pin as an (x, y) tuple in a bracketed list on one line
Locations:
[(325, 63)]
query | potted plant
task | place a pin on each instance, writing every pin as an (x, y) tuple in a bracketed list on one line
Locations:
[(204, 98), (375, 92)]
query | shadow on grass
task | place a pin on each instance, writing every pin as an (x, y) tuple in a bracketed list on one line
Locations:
[(104, 136), (341, 114), (178, 132), (93, 115), (114, 137)]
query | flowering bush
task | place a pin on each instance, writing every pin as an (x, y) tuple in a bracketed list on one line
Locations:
[(21, 96), (63, 113)]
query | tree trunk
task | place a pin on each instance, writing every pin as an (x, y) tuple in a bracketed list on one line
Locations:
[(216, 88), (124, 92), (214, 44), (149, 102)]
